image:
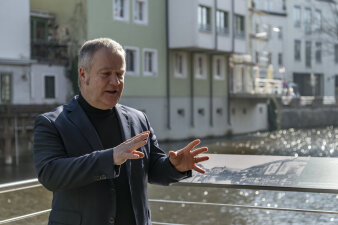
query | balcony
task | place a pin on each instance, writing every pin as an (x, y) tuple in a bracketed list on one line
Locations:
[(259, 89), (49, 52)]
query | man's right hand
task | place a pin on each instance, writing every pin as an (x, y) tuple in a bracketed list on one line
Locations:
[(127, 149)]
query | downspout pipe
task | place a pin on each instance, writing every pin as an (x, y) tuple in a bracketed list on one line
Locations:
[(230, 70), (211, 68), (192, 117), (167, 67)]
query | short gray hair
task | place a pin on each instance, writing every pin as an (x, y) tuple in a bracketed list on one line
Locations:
[(89, 48)]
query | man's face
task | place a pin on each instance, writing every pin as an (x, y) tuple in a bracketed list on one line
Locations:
[(102, 86)]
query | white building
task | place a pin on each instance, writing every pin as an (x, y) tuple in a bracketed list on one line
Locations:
[(208, 41), (24, 78), (296, 43)]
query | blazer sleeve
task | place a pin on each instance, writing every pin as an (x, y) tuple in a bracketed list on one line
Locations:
[(161, 171), (57, 171)]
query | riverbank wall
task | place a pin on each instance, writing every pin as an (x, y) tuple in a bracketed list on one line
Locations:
[(307, 112)]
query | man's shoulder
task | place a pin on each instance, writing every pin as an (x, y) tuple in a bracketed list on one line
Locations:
[(130, 110), (53, 114)]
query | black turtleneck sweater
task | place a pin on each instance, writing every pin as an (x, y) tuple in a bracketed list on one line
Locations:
[(108, 128)]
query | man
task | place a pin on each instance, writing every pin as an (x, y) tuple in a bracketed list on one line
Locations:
[(97, 155)]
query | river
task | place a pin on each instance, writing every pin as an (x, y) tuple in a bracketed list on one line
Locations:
[(311, 142)]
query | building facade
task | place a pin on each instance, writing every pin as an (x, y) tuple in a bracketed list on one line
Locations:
[(297, 43), (178, 55)]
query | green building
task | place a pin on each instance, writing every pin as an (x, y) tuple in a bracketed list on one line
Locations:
[(177, 58)]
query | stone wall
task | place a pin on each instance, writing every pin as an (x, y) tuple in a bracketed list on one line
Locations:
[(307, 112)]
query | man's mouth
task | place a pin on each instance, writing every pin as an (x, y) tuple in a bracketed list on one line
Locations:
[(112, 92)]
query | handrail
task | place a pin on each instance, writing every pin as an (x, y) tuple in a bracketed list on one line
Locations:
[(246, 206), (24, 216), (189, 203), (15, 186), (16, 183)]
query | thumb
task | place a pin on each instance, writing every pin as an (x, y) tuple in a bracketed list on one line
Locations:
[(172, 154)]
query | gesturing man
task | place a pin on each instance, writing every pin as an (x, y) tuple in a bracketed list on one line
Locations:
[(96, 155)]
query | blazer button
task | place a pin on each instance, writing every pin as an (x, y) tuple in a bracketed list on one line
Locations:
[(103, 177), (111, 220)]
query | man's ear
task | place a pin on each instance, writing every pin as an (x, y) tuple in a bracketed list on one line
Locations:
[(82, 74)]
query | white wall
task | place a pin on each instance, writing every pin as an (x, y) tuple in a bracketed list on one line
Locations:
[(15, 29), (248, 116), (184, 29), (182, 23), (274, 45), (328, 67), (156, 110), (62, 84)]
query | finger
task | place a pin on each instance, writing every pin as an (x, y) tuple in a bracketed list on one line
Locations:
[(140, 136), (137, 145), (199, 151), (201, 159), (140, 154), (190, 146), (172, 154), (198, 169), (132, 156)]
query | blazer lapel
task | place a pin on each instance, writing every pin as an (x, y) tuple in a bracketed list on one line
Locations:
[(125, 133), (123, 122), (86, 128)]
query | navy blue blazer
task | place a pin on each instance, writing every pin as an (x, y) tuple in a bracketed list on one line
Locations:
[(71, 162)]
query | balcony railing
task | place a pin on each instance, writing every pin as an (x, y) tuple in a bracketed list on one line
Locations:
[(258, 87), (49, 51)]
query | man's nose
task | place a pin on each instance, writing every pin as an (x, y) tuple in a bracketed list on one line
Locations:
[(114, 80)]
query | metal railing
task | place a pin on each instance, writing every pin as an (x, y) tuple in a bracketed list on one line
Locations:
[(33, 183)]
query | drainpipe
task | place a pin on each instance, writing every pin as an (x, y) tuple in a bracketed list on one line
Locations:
[(230, 70), (192, 122), (211, 70), (167, 66)]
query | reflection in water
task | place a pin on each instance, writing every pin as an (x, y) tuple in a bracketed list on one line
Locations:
[(312, 142)]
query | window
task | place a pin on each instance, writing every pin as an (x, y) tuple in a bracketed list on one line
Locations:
[(5, 88), (269, 58), (318, 52), (204, 18), (149, 62), (307, 21), (132, 61), (336, 53), (39, 29), (297, 15), (297, 50), (280, 59), (308, 53), (239, 26), (318, 20), (200, 66), (280, 33), (257, 28), (121, 11), (257, 57), (180, 65), (49, 87), (219, 67), (141, 11), (268, 30), (284, 5), (222, 22)]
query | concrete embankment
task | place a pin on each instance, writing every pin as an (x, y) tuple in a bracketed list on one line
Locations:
[(307, 112)]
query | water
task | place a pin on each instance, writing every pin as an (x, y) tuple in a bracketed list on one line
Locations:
[(306, 143), (312, 142)]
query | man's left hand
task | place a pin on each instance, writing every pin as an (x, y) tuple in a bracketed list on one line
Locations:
[(186, 158)]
